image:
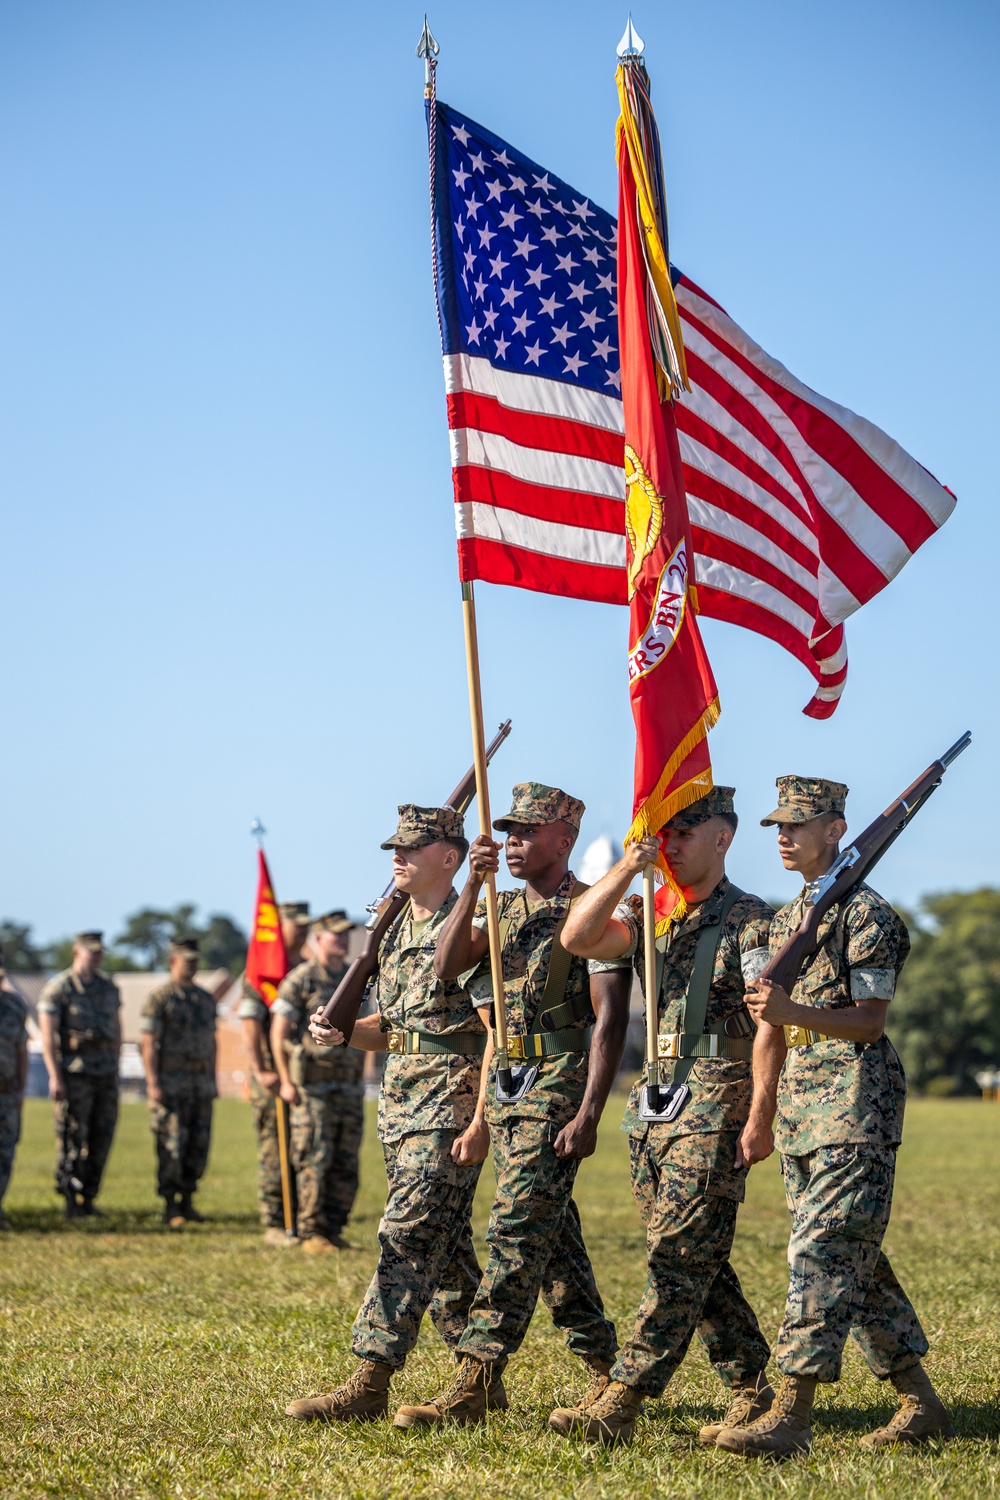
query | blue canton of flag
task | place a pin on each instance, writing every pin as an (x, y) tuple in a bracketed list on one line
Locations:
[(530, 280)]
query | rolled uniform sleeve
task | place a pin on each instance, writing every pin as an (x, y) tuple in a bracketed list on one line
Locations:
[(622, 913), (876, 951), (50, 1001), (251, 1006), (150, 1018)]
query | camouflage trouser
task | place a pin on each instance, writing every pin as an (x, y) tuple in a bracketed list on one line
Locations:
[(326, 1140), (182, 1128), (426, 1256), (85, 1128), (10, 1130), (688, 1193), (272, 1212), (840, 1283), (535, 1246)]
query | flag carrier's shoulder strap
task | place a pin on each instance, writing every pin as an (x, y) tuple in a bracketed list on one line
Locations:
[(700, 983), (554, 1011)]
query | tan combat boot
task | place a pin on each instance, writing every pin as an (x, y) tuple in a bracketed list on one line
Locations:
[(476, 1389), (567, 1419), (780, 1432), (922, 1414), (749, 1400), (609, 1419), (280, 1239), (364, 1397), (318, 1244)]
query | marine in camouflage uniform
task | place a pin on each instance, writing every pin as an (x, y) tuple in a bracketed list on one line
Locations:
[(255, 1014), (430, 1089), (685, 1184), (13, 1072), (839, 1125), (177, 1036), (78, 1013), (327, 1118), (534, 1239)]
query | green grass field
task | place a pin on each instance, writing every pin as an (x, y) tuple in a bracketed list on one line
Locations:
[(140, 1362)]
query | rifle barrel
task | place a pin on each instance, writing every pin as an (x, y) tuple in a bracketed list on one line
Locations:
[(956, 749)]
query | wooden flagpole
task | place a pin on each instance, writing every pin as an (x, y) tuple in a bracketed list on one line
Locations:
[(652, 998), (485, 827), (281, 1120)]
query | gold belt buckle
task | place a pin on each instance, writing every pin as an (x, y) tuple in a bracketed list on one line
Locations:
[(397, 1041), (515, 1048), (667, 1045)]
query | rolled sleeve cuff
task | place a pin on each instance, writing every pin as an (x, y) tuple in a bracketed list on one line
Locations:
[(148, 1026), (284, 1008), (47, 1008), (251, 1010), (873, 984), (753, 962)]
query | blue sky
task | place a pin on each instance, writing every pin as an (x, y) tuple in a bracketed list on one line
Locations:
[(229, 572)]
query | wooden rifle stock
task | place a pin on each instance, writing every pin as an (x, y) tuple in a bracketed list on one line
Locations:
[(341, 1010), (851, 867)]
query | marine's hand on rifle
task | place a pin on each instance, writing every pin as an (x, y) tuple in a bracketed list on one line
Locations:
[(57, 1089), (484, 856), (767, 1001), (289, 1093), (326, 1036), (472, 1145)]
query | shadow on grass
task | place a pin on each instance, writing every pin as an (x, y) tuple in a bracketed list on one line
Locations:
[(126, 1221), (978, 1421)]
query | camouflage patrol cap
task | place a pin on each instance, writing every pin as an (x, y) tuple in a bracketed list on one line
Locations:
[(295, 911), (424, 825), (803, 797), (534, 802), (186, 947), (332, 921), (719, 800), (92, 940)]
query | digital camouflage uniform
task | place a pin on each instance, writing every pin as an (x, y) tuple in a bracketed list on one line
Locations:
[(839, 1124), (426, 1256), (272, 1213), (181, 1018), (86, 1016), (535, 1240), (327, 1123), (13, 1038), (683, 1179)]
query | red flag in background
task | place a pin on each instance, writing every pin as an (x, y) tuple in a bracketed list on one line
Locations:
[(267, 962), (673, 692)]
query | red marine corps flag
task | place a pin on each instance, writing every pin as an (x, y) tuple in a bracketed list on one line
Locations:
[(267, 962), (674, 698)]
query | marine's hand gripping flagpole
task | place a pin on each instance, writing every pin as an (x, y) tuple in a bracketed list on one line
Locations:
[(428, 49)]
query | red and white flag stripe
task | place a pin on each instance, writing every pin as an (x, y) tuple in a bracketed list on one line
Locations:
[(801, 511)]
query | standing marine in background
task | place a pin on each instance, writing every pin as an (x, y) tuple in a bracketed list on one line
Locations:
[(571, 1028), (433, 1139), (255, 1019), (324, 1089), (78, 1016), (177, 1038), (13, 1077), (823, 1063), (687, 1175)]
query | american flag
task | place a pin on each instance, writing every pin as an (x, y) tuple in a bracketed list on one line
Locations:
[(800, 510)]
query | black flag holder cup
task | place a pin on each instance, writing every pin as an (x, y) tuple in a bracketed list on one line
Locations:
[(656, 1102)]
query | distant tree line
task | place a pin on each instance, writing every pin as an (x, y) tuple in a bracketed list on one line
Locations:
[(143, 945)]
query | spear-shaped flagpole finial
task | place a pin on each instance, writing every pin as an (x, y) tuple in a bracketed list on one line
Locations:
[(258, 831), (631, 44), (427, 48)]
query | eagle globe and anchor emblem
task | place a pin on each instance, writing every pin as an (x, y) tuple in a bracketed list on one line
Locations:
[(643, 527)]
